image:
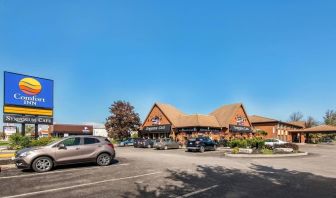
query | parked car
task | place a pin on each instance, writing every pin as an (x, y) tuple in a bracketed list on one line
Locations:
[(166, 143), (69, 150), (146, 143), (128, 142), (327, 140), (136, 142), (201, 144), (272, 142)]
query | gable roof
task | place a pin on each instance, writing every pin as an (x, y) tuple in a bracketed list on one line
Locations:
[(172, 113), (217, 119), (317, 129), (225, 113)]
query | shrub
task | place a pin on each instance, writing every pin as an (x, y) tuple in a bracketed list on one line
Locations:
[(287, 145), (256, 143), (235, 150), (240, 143), (17, 141), (43, 141)]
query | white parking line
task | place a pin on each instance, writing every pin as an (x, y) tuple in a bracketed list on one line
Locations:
[(198, 191), (60, 171), (79, 185)]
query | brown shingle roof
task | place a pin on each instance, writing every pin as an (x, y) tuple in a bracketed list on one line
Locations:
[(317, 129), (260, 119), (219, 118), (299, 123), (225, 113), (173, 114), (198, 120)]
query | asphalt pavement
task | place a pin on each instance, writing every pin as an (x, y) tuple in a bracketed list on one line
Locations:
[(176, 173)]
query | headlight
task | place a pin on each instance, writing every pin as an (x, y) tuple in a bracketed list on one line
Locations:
[(25, 154)]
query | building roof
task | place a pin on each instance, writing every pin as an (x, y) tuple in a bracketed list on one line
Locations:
[(198, 120), (299, 123), (172, 113), (318, 129), (219, 118), (261, 119), (256, 119), (225, 113)]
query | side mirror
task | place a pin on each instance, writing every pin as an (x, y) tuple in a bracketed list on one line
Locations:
[(61, 146)]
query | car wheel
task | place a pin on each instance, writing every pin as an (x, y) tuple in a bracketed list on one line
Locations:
[(202, 149), (149, 146), (189, 150), (165, 147), (104, 159), (42, 164)]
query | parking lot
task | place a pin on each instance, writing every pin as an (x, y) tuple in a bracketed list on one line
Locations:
[(176, 173)]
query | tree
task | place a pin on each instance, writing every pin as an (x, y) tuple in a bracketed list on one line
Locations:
[(296, 116), (122, 120), (310, 122), (262, 133), (330, 117)]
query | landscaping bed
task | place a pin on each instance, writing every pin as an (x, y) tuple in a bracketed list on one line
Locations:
[(256, 147)]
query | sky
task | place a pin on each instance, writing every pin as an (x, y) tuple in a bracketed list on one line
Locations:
[(276, 57)]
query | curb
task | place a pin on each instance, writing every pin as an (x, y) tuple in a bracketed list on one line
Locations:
[(265, 155), (6, 161)]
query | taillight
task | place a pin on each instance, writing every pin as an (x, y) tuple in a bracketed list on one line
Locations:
[(110, 145)]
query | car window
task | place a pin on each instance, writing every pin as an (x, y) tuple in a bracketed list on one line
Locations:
[(90, 140), (71, 141)]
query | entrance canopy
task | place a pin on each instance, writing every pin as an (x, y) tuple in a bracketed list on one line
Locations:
[(317, 129)]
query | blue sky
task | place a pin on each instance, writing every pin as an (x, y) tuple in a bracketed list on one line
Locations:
[(277, 57)]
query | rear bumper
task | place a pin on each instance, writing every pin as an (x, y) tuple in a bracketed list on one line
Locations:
[(193, 148)]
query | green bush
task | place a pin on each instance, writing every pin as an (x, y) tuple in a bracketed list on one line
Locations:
[(235, 150), (247, 143), (43, 141), (17, 141), (256, 143), (240, 143)]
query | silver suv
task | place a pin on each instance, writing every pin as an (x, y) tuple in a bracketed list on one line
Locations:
[(69, 150)]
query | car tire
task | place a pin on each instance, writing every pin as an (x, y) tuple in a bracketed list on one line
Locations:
[(202, 149), (165, 147), (104, 159), (42, 164), (189, 150), (149, 146)]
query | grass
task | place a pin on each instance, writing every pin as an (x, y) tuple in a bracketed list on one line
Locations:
[(266, 151), (3, 143)]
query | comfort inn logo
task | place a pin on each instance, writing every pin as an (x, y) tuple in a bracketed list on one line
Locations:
[(30, 86)]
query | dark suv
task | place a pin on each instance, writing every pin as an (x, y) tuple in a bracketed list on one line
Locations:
[(201, 144)]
